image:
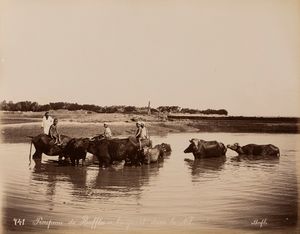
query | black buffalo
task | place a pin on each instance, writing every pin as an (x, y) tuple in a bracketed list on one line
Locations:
[(253, 149), (205, 149), (109, 150), (165, 149), (45, 144), (77, 149)]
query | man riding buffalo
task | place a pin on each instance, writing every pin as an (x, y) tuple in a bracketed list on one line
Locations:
[(53, 132), (141, 133), (51, 143), (106, 149), (107, 132), (44, 144)]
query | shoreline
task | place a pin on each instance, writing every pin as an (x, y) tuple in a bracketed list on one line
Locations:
[(16, 126), (18, 133)]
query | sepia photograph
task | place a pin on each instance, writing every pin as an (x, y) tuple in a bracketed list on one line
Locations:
[(148, 117)]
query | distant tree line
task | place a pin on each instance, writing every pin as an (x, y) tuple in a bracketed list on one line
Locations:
[(35, 107), (177, 109)]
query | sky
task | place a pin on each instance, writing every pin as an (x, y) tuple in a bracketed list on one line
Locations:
[(238, 55)]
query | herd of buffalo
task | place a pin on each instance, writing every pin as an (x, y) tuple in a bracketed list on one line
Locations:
[(130, 151)]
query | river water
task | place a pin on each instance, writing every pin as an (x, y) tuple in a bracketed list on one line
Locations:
[(232, 193)]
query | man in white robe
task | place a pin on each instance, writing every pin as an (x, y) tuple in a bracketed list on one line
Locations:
[(47, 122), (107, 132)]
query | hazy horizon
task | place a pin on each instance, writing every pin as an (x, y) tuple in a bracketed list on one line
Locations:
[(242, 56)]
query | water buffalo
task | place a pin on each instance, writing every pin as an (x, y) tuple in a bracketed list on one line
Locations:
[(77, 149), (156, 153), (205, 149), (109, 150), (165, 148), (152, 155), (45, 144), (253, 149)]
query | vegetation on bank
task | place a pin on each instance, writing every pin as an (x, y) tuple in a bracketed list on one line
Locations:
[(35, 107)]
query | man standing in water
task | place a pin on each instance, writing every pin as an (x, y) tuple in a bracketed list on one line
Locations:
[(46, 123), (107, 132)]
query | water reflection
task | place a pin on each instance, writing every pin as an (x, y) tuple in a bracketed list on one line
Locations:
[(216, 192), (204, 166), (92, 182), (256, 158), (52, 174), (111, 183), (255, 161)]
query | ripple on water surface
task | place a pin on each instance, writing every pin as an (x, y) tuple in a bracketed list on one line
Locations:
[(226, 192)]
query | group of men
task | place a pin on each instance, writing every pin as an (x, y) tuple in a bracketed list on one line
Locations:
[(49, 126)]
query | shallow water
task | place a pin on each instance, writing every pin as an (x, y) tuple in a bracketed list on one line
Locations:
[(214, 193)]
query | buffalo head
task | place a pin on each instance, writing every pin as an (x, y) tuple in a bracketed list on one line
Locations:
[(193, 147), (146, 155), (97, 137), (234, 147), (166, 148)]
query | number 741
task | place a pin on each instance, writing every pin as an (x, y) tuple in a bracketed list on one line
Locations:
[(19, 222)]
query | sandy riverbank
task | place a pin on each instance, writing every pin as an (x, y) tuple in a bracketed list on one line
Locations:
[(16, 126)]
